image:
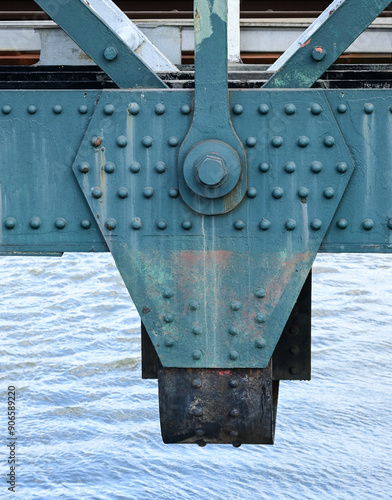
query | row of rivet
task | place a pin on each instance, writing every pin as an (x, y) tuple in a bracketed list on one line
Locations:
[(194, 305), (315, 166), (197, 354), (35, 223), (32, 109), (159, 109), (290, 109)]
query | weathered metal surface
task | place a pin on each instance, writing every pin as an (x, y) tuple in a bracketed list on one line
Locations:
[(103, 44), (254, 259), (292, 356), (150, 360), (319, 47), (217, 406)]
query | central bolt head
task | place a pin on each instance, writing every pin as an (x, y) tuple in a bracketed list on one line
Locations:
[(211, 171)]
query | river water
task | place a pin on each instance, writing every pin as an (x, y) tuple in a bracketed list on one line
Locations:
[(88, 427)]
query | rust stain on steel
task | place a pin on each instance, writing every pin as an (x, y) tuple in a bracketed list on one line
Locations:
[(97, 142), (146, 310), (306, 43)]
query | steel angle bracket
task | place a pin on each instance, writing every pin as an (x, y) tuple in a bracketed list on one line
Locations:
[(214, 291)]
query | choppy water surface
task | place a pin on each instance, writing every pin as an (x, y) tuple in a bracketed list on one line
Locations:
[(88, 426)]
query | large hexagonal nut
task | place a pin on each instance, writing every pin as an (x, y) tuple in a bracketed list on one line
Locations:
[(211, 171)]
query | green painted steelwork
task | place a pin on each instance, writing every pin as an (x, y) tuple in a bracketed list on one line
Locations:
[(327, 43), (101, 43)]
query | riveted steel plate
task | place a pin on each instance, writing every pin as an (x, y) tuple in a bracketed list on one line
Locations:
[(41, 207), (217, 406), (214, 291)]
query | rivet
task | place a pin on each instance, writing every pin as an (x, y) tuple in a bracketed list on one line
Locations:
[(133, 108), (96, 192), (264, 224), (6, 109), (168, 318), (234, 434), (83, 109), (196, 330), (85, 224), (169, 342), (277, 141), (260, 343), (148, 192), (173, 192), (194, 305), (292, 370), (234, 413), (122, 141), (173, 141), (316, 109), (199, 432), (342, 108), (318, 53), (96, 141), (122, 193), (329, 193), (329, 141), (111, 224), (260, 293), (263, 109), (168, 294), (264, 167), (147, 141), (290, 167), (233, 383), (251, 142), (161, 224), (196, 384), (109, 167), (367, 224), (197, 354), (290, 224), (294, 349), (233, 354), (389, 224), (316, 224), (239, 224), (57, 110), (235, 305), (341, 167), (290, 109), (60, 223), (303, 192), (260, 318), (251, 192), (110, 53), (187, 225), (10, 222), (186, 109), (236, 444), (368, 108), (238, 109), (197, 412), (316, 167), (277, 193), (160, 167), (84, 167), (303, 141), (136, 223), (201, 443), (32, 109), (342, 223), (134, 167), (108, 109), (293, 330), (233, 331), (35, 222), (160, 109)]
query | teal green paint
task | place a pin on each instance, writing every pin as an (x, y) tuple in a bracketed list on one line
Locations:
[(343, 26), (102, 44)]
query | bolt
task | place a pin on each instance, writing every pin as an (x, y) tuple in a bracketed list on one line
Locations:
[(342, 108), (7, 109), (147, 141), (168, 294), (368, 108), (174, 193), (110, 53), (201, 443), (329, 141), (96, 192), (32, 109), (186, 109), (238, 109), (234, 434), (260, 293), (211, 171), (84, 167), (196, 330), (83, 109)]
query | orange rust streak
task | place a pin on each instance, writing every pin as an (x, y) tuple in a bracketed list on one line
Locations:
[(306, 43)]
